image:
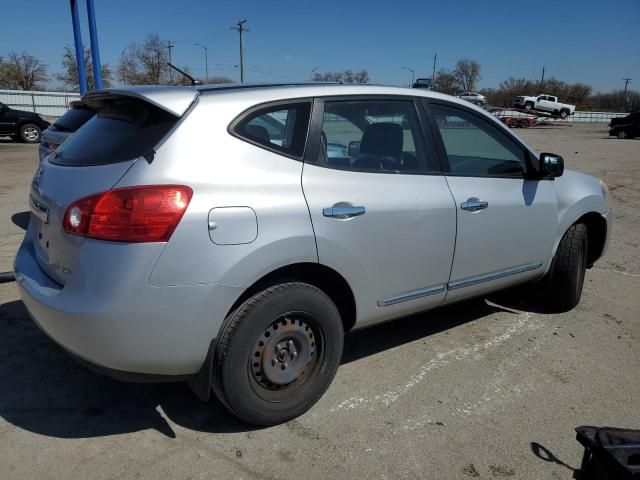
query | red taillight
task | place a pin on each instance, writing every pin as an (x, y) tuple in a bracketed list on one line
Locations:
[(147, 213)]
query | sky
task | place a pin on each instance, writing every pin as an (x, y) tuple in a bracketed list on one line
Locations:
[(596, 42)]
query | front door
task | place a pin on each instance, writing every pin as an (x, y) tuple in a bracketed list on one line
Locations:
[(382, 216), (506, 223)]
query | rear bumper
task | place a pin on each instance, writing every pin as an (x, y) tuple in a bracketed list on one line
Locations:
[(110, 316)]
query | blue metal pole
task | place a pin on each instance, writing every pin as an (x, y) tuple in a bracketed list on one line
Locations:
[(77, 38), (95, 50)]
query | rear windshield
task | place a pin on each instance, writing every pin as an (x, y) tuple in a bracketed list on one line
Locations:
[(122, 130), (73, 119)]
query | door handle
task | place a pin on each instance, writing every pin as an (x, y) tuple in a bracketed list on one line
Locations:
[(343, 212), (474, 205)]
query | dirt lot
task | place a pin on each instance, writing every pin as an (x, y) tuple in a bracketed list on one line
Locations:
[(487, 389)]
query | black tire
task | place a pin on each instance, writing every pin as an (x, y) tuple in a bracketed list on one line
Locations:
[(622, 135), (286, 331), (528, 106), (564, 113), (29, 133), (566, 275), (479, 103)]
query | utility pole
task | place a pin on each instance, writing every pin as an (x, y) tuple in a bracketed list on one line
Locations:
[(169, 46), (626, 84), (542, 81), (123, 67), (312, 72), (206, 62), (240, 29), (433, 75)]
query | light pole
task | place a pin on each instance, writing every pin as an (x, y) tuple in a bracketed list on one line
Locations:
[(206, 62), (241, 29), (312, 71), (413, 72)]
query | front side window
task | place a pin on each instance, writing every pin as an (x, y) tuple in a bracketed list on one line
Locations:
[(372, 135), (280, 127), (476, 148)]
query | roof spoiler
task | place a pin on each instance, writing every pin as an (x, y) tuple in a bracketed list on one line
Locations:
[(175, 100)]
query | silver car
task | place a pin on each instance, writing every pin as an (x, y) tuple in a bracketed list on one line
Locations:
[(54, 136), (474, 98), (172, 238)]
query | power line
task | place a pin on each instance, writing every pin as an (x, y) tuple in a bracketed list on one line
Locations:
[(626, 83), (240, 29)]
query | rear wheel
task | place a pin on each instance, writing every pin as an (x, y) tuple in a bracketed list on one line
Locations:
[(566, 276), (278, 353), (622, 135), (528, 106), (30, 133)]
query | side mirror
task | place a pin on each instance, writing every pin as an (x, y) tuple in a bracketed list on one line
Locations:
[(551, 165), (354, 149)]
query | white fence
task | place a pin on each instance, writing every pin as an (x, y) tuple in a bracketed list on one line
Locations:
[(52, 104)]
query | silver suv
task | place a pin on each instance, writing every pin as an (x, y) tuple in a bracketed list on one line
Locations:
[(229, 236)]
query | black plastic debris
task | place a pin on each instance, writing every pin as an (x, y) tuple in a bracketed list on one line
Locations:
[(609, 453)]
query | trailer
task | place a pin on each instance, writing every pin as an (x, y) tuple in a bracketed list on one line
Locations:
[(520, 118)]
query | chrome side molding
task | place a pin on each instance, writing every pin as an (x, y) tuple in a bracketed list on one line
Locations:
[(403, 297), (465, 282)]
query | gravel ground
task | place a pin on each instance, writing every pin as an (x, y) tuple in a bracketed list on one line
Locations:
[(492, 388)]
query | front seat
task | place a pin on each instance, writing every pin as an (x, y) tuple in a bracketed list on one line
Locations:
[(381, 147)]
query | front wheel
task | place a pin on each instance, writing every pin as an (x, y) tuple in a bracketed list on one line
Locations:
[(622, 135), (566, 275), (479, 103), (564, 114), (278, 353), (30, 133)]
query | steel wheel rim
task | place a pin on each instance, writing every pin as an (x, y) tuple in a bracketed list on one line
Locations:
[(30, 133), (286, 356)]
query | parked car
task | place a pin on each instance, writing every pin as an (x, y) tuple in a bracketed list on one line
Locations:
[(21, 125), (237, 263), (631, 118), (77, 115), (626, 130), (423, 83), (545, 103), (474, 98)]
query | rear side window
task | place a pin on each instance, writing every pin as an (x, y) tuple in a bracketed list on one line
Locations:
[(122, 130), (282, 128), (73, 119)]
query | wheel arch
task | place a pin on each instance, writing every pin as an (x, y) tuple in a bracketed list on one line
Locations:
[(325, 278), (596, 234)]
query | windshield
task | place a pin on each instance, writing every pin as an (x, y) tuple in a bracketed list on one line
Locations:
[(123, 130)]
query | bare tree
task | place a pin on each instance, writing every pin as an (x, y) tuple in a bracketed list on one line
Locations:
[(467, 74), (446, 82), (145, 64), (348, 76), (70, 70), (22, 72)]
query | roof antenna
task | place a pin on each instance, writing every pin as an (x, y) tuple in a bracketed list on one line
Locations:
[(189, 77)]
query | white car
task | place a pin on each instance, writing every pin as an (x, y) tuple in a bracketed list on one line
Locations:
[(474, 98)]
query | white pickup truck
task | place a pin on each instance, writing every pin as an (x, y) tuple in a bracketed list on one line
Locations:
[(545, 103)]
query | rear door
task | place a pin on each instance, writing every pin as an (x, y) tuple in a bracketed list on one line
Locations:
[(382, 213), (89, 162), (506, 222)]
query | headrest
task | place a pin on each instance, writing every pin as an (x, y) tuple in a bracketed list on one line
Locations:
[(382, 139)]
